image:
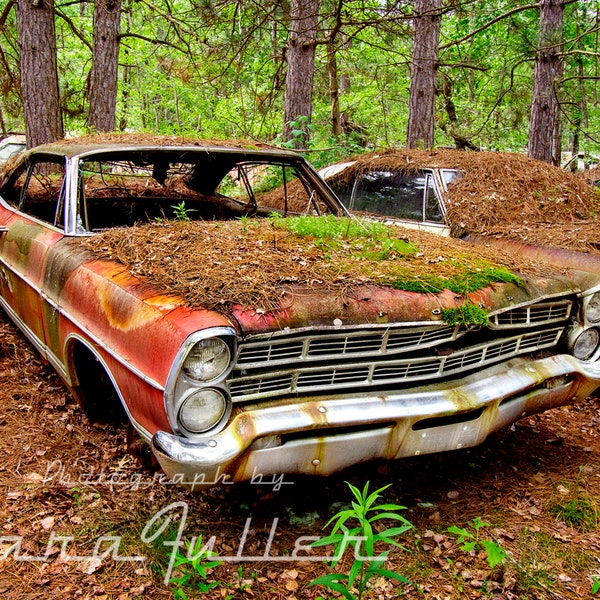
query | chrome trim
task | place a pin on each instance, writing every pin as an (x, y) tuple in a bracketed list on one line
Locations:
[(342, 343), (177, 384), (532, 314)]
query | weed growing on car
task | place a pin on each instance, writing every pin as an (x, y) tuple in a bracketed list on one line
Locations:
[(363, 538), (470, 280), (370, 240)]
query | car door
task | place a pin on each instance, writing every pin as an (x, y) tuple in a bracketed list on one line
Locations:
[(31, 217)]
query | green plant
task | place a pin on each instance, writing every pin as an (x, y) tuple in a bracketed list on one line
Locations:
[(470, 542), (181, 212), (194, 565), (301, 131), (467, 314), (595, 584), (362, 239), (365, 514)]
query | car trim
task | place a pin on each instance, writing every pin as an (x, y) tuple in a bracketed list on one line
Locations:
[(172, 403)]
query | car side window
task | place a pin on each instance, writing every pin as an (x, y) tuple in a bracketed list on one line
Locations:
[(405, 196), (38, 190), (272, 187), (433, 209)]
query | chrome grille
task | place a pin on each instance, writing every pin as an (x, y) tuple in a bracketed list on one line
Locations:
[(532, 315), (319, 346), (385, 370)]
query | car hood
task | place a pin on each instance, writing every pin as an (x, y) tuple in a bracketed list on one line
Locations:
[(309, 306)]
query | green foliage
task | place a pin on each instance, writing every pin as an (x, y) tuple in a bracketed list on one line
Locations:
[(595, 584), (471, 541), (580, 512), (181, 212), (236, 90), (368, 240), (194, 566), (467, 314), (363, 537)]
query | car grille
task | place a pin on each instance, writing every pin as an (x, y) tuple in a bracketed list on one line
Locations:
[(534, 314), (328, 361)]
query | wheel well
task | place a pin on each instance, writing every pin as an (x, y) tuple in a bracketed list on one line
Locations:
[(94, 388)]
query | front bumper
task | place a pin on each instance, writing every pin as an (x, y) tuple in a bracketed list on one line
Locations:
[(319, 436)]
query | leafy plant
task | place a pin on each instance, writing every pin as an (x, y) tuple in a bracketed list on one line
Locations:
[(195, 565), (472, 541), (370, 240), (181, 212), (365, 514), (595, 584)]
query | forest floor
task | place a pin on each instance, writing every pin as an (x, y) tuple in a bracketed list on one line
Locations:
[(81, 519)]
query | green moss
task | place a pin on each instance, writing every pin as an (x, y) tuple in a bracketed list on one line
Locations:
[(463, 284), (467, 314)]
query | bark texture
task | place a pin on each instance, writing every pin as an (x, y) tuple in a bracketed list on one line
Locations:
[(39, 76), (105, 65), (301, 69), (423, 73), (544, 121)]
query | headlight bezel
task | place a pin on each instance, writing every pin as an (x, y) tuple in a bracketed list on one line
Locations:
[(580, 337), (591, 309), (203, 345), (180, 386), (223, 412)]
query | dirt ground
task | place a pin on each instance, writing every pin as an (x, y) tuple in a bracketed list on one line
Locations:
[(79, 514)]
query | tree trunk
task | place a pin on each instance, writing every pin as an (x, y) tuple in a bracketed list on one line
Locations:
[(301, 71), (39, 76), (423, 72), (105, 65), (334, 90), (548, 69)]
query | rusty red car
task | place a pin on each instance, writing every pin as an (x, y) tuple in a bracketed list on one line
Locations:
[(224, 390)]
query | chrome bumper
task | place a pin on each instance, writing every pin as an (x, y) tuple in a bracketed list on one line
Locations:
[(307, 436)]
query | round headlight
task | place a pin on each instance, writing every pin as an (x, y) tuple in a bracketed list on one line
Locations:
[(592, 310), (207, 360), (202, 410), (586, 344)]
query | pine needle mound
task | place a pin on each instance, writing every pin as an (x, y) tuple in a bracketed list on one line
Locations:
[(252, 262), (504, 194)]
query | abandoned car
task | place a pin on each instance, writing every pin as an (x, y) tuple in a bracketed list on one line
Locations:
[(178, 284), (458, 192)]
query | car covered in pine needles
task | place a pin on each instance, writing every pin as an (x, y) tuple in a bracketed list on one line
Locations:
[(240, 329), (459, 193)]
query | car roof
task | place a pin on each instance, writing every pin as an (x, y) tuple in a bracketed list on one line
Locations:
[(71, 147)]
